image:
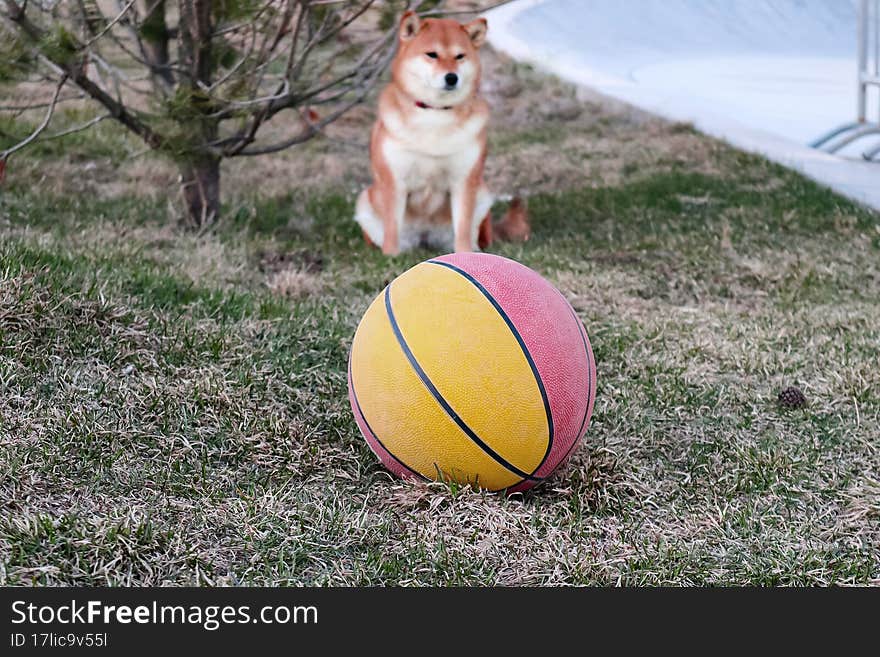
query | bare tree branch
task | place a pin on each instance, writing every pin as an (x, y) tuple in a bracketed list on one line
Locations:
[(32, 106), (154, 45), (4, 155), (312, 129), (78, 74), (110, 25), (85, 126)]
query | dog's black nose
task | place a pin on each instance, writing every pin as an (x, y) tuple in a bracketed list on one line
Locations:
[(451, 79)]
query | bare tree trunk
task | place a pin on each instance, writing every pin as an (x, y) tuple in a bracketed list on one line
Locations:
[(155, 37), (200, 183), (200, 173)]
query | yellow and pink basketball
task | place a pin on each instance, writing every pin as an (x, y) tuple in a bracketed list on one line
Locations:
[(472, 368)]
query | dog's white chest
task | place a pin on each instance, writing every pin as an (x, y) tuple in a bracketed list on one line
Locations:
[(433, 151), (419, 171)]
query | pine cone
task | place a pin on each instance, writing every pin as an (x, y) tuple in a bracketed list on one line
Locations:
[(791, 397)]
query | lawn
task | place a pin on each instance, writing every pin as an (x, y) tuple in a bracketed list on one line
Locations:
[(173, 406)]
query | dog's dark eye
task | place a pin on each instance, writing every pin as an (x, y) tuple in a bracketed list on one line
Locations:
[(432, 55), (460, 56)]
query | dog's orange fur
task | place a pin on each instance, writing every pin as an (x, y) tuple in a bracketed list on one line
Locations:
[(428, 145)]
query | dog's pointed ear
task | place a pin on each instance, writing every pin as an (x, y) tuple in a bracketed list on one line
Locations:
[(409, 25), (476, 30)]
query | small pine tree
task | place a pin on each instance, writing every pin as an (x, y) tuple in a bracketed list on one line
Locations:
[(214, 72)]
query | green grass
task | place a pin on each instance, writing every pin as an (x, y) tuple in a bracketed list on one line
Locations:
[(169, 417)]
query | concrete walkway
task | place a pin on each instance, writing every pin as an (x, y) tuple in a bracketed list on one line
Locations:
[(768, 76)]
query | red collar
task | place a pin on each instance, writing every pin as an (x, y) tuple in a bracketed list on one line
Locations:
[(426, 106)]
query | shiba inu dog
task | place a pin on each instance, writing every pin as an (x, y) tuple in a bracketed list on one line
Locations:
[(428, 146)]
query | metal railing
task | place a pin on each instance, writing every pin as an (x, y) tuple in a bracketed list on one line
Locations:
[(869, 76)]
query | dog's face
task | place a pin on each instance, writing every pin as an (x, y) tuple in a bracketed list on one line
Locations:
[(437, 61)]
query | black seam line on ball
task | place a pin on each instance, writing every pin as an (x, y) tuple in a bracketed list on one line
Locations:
[(373, 433), (581, 332), (439, 398), (522, 346)]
